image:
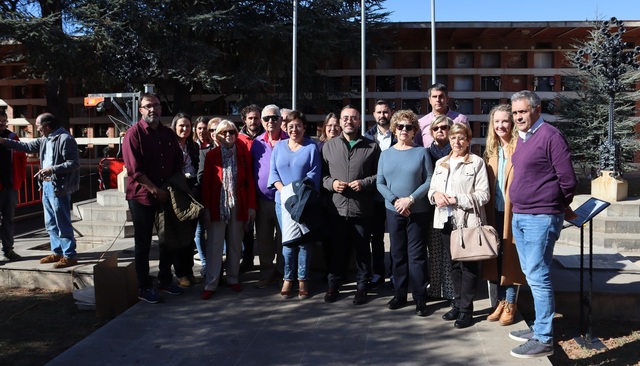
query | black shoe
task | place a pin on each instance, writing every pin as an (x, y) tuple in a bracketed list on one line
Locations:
[(360, 297), (374, 285), (464, 320), (396, 303), (451, 314), (421, 308), (331, 295)]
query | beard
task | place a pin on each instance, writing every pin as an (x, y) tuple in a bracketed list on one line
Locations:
[(383, 122), (151, 119)]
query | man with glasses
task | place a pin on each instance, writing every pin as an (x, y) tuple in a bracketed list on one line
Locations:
[(58, 177), (543, 186), (267, 229), (381, 134), (439, 101), (151, 155), (251, 128), (349, 168), (12, 175)]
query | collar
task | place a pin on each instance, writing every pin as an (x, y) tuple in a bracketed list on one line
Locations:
[(387, 134), (525, 135)]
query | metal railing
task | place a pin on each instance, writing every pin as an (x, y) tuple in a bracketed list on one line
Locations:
[(29, 193)]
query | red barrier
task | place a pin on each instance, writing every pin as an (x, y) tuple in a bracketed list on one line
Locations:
[(29, 193)]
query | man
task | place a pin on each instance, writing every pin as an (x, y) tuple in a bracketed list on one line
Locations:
[(12, 175), (381, 134), (284, 112), (269, 246), (252, 128), (58, 177), (439, 100), (542, 189), (349, 166), (152, 155)]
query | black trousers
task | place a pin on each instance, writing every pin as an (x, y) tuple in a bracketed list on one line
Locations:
[(463, 274), (377, 238), (347, 234)]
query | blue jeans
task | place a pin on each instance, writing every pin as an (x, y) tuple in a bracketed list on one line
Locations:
[(535, 237), (295, 257), (201, 246), (57, 221)]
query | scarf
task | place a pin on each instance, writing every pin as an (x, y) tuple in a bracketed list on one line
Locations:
[(229, 181)]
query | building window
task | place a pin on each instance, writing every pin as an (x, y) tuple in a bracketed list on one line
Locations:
[(569, 83), (411, 83), (441, 61), (484, 128), (548, 106), (354, 84), (490, 83), (385, 83), (487, 104), (463, 83), (516, 60), (464, 106), (413, 104), (409, 60), (463, 59), (490, 60), (543, 83), (385, 62), (543, 60)]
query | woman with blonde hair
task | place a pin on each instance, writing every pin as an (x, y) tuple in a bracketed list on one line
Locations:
[(330, 129), (504, 272)]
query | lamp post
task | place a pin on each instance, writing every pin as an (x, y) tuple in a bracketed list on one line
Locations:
[(609, 62)]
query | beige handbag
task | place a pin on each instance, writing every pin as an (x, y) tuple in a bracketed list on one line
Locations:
[(475, 243)]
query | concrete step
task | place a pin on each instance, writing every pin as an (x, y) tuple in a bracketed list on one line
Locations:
[(104, 229), (111, 197), (93, 211), (621, 242), (617, 225)]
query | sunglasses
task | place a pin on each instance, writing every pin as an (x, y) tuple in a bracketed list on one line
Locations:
[(270, 118), (443, 128), (404, 127), (230, 132)]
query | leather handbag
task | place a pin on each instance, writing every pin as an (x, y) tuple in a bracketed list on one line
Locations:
[(474, 242)]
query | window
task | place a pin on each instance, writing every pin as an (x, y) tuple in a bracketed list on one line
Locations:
[(543, 60), (463, 59), (413, 104), (516, 60), (409, 60), (385, 62), (464, 106), (385, 83), (543, 83), (487, 104), (463, 83), (441, 61), (490, 83), (411, 83), (548, 106), (490, 60), (484, 127), (569, 83), (354, 84)]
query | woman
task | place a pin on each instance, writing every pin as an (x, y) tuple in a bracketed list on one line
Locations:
[(440, 285), (330, 129), (458, 180), (210, 132), (229, 198), (504, 271), (201, 137), (181, 125), (294, 159), (404, 175)]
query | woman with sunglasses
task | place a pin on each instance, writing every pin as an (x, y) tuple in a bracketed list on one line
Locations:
[(229, 198), (404, 175), (440, 284)]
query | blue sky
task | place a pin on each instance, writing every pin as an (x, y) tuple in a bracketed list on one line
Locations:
[(501, 10)]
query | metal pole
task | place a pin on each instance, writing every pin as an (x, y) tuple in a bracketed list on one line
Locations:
[(363, 67), (294, 88), (433, 41)]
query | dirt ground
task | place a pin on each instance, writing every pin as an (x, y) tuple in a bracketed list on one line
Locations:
[(38, 325)]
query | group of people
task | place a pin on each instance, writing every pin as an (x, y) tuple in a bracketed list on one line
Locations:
[(418, 178)]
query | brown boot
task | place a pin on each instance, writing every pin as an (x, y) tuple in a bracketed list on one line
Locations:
[(508, 314), (498, 312)]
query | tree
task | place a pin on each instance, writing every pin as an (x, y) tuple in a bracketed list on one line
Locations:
[(583, 115)]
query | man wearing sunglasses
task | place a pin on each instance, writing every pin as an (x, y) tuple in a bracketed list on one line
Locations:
[(267, 228), (251, 128), (439, 101)]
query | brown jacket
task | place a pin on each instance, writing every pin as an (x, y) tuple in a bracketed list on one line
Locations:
[(511, 271)]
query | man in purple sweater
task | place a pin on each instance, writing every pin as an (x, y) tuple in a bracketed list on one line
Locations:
[(542, 189)]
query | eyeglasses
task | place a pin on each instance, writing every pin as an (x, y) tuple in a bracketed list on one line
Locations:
[(230, 132), (212, 130), (349, 118), (273, 118), (442, 128), (404, 127), (152, 106)]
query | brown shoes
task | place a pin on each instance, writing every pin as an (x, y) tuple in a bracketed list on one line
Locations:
[(51, 258), (65, 262), (498, 312), (303, 291), (508, 314)]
